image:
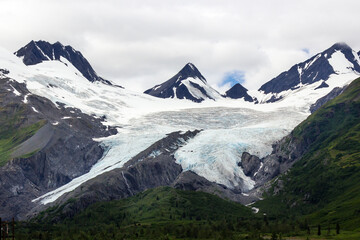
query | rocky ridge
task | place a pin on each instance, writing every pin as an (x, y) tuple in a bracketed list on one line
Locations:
[(317, 68), (36, 52)]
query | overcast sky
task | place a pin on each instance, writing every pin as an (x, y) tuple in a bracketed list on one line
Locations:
[(142, 43)]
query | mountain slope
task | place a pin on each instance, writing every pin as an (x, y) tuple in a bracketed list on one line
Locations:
[(40, 51), (238, 91), (42, 146), (323, 184), (187, 84)]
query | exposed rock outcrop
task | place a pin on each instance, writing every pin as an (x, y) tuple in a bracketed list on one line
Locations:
[(322, 101), (249, 163)]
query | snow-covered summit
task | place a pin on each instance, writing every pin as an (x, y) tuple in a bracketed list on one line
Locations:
[(189, 83), (36, 52), (339, 59)]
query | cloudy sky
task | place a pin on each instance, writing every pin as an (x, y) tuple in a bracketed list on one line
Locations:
[(142, 43)]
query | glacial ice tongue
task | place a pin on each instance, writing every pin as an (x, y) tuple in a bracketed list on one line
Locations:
[(213, 154)]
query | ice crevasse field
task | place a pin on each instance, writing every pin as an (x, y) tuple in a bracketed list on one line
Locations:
[(229, 127)]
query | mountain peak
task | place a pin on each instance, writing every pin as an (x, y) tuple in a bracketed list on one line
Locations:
[(36, 52), (188, 83), (190, 70), (340, 45), (238, 91), (317, 68)]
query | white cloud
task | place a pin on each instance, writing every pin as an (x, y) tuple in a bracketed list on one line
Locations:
[(141, 43)]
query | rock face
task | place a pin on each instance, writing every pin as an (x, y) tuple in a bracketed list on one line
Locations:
[(39, 51), (249, 163), (321, 101), (62, 149), (191, 181), (238, 91), (314, 69), (322, 85), (189, 83), (285, 153)]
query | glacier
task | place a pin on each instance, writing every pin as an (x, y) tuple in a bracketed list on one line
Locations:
[(229, 127)]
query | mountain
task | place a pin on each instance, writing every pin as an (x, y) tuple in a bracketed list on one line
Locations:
[(186, 84), (322, 185), (36, 52), (336, 60), (63, 126), (42, 145), (238, 91)]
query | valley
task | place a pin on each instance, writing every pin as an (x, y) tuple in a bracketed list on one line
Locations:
[(90, 146)]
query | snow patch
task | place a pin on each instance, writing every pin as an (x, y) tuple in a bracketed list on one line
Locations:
[(41, 51), (307, 65), (340, 64), (261, 166), (25, 98), (34, 109), (255, 210), (174, 90), (156, 87), (16, 92)]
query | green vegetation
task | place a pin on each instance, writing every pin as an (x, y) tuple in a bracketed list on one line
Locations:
[(323, 187), (161, 213), (13, 131), (167, 213)]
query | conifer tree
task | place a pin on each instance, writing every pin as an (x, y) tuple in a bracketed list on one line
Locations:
[(337, 228)]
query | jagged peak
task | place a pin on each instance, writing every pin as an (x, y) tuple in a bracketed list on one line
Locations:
[(58, 43), (239, 85), (38, 51), (238, 91), (341, 45), (190, 70)]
